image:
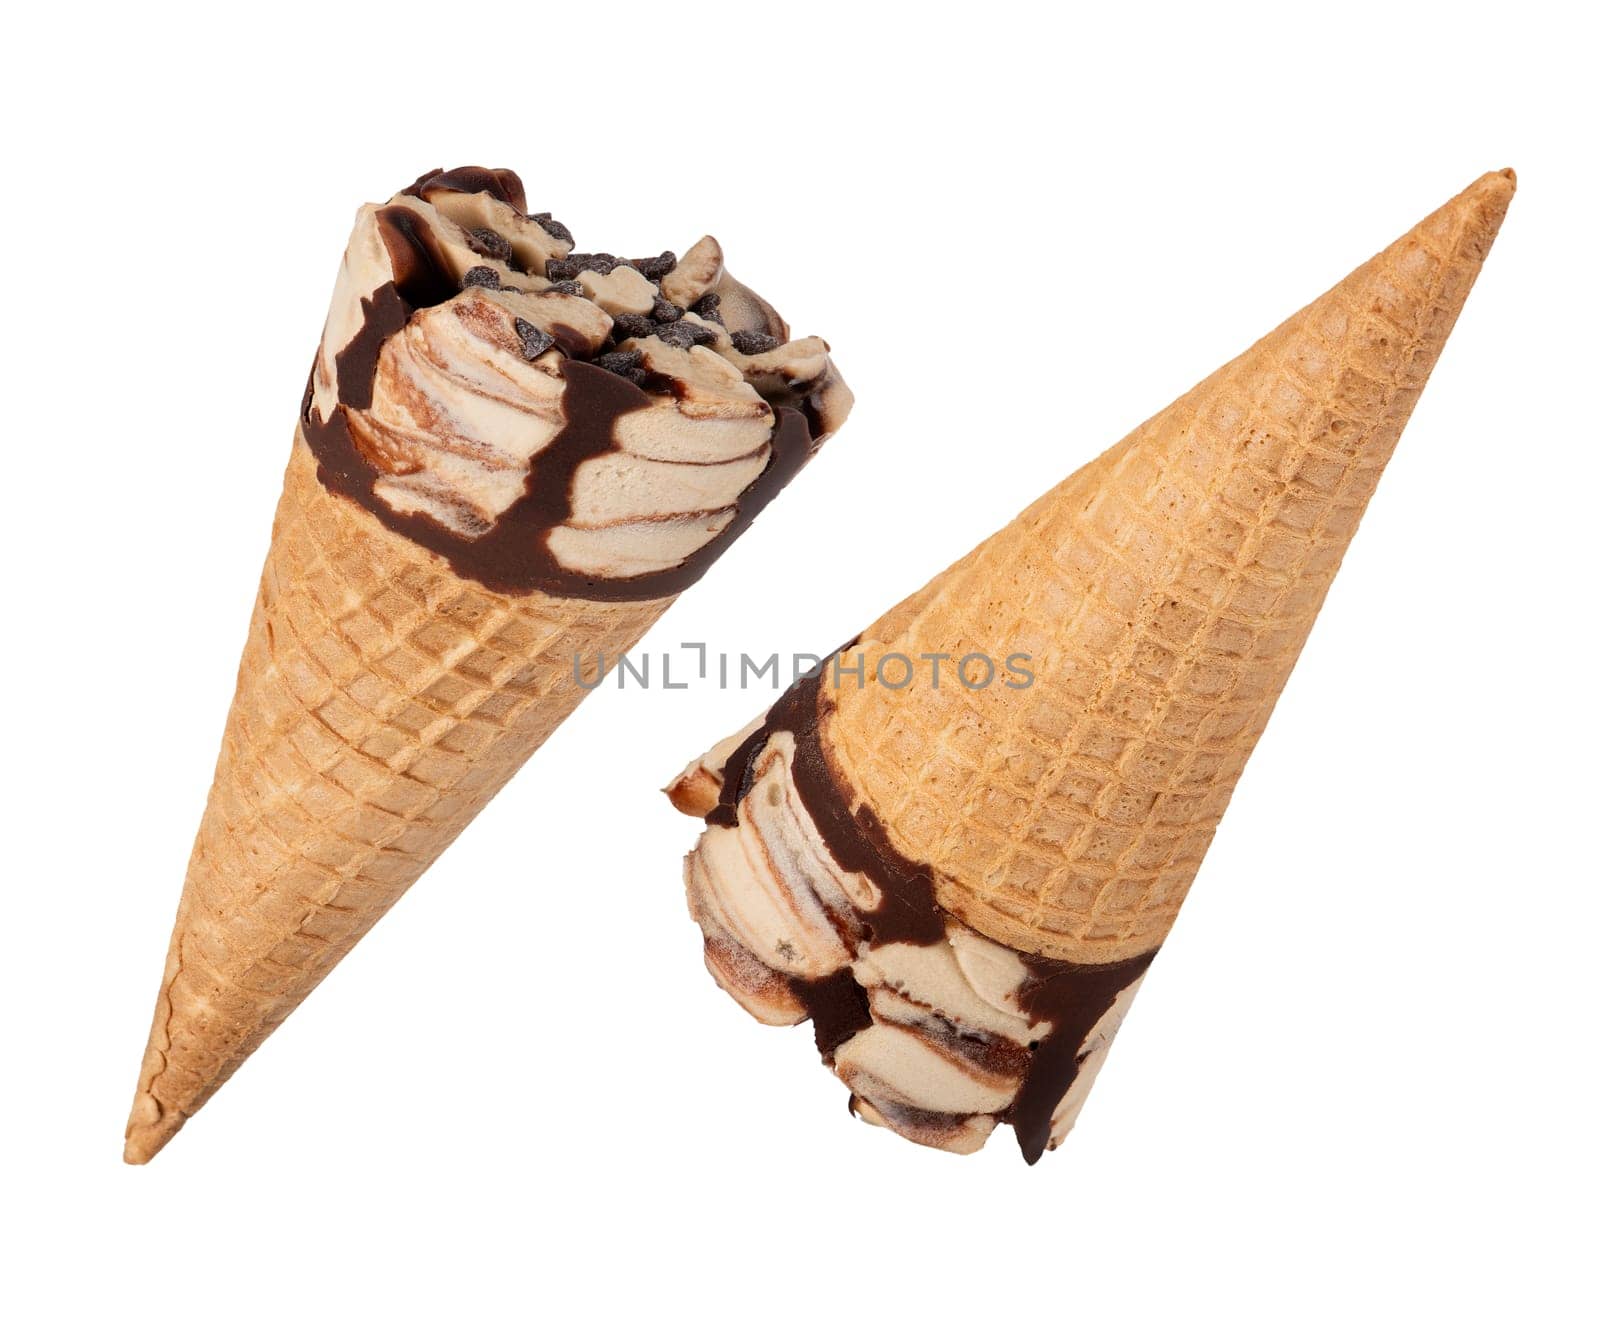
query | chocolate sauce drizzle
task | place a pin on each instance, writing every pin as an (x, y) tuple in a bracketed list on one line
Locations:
[(514, 555), (504, 185), (1071, 997), (837, 1007)]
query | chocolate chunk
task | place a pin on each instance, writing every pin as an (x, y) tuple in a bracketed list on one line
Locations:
[(685, 334), (664, 312), (535, 340), (707, 307), (657, 268), (489, 243), (553, 227), (749, 342), (481, 276), (560, 270), (566, 288), (631, 326), (599, 262), (677, 335), (621, 363)]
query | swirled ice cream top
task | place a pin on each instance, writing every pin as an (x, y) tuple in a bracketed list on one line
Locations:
[(549, 419), (808, 912)]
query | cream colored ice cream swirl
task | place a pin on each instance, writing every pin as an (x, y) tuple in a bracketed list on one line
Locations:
[(446, 364), (936, 1037)]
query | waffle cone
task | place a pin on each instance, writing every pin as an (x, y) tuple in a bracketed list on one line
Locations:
[(382, 700), (1162, 593)]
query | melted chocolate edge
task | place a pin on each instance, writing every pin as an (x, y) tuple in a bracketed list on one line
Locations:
[(514, 556), (1071, 997)]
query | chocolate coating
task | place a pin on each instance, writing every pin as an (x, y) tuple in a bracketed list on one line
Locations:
[(1071, 997), (504, 185), (514, 555)]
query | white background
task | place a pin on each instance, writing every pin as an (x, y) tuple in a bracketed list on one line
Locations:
[(1357, 1090)]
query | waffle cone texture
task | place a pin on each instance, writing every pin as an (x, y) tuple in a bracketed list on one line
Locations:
[(382, 700), (1163, 593)]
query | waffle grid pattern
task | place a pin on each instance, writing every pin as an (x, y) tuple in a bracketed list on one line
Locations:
[(1164, 592), (381, 702)]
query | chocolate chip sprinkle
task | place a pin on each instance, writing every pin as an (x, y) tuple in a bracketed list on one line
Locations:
[(600, 262), (707, 307), (535, 341), (552, 227), (657, 268), (664, 312), (630, 365), (481, 276), (566, 288), (685, 334), (751, 342), (631, 326), (489, 243)]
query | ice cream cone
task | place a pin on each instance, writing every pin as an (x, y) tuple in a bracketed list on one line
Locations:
[(498, 484), (1164, 593), (1126, 639), (382, 700)]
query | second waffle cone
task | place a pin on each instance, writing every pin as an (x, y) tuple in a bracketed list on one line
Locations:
[(1162, 594)]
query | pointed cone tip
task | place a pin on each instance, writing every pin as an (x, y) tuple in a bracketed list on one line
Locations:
[(1502, 182), (147, 1135), (142, 1144), (1492, 192), (1482, 206)]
